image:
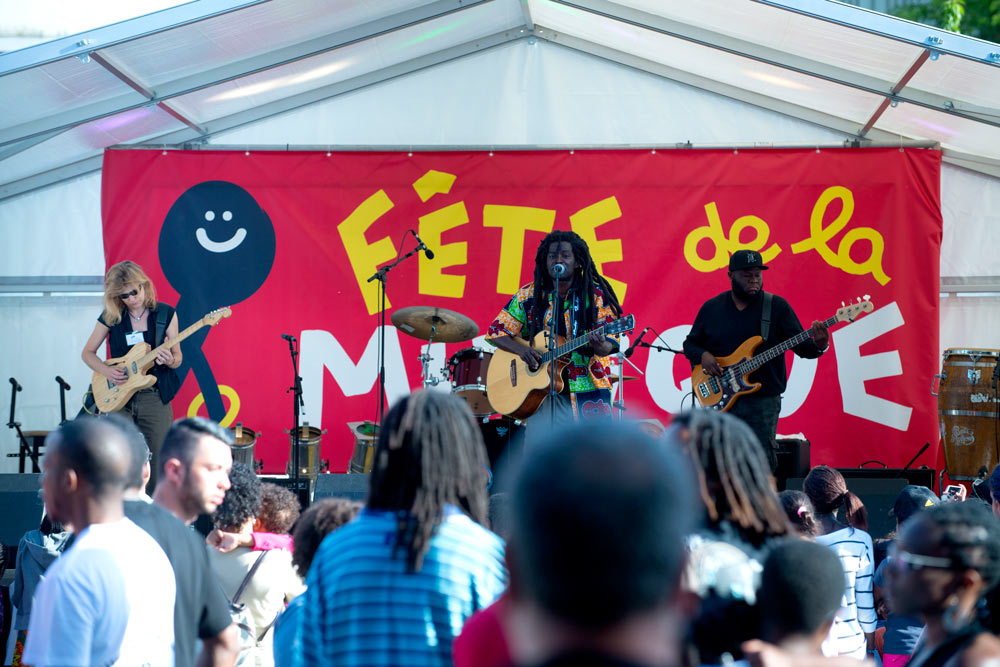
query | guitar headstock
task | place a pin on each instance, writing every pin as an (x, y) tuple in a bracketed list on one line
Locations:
[(621, 325), (214, 317), (850, 311)]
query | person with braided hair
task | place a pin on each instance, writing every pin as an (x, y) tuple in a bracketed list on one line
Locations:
[(946, 558), (395, 586), (744, 519), (853, 631), (586, 301)]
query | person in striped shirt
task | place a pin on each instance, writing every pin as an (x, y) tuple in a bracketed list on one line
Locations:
[(853, 631), (395, 586)]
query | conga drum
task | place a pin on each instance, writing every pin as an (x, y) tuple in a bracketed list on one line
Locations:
[(967, 410), (309, 463), (244, 441)]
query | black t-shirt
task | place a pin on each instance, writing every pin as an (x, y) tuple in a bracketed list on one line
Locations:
[(720, 328), (166, 378), (201, 609)]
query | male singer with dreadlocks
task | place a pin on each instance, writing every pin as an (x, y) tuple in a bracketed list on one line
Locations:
[(395, 586), (586, 301)]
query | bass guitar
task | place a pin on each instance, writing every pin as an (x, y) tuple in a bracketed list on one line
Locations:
[(515, 390), (111, 397), (720, 393)]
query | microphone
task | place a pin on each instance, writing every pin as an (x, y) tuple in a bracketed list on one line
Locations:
[(422, 246), (63, 383), (559, 269), (631, 348), (290, 338), (17, 387)]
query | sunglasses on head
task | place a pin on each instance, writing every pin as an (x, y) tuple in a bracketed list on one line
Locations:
[(917, 562), (128, 294)]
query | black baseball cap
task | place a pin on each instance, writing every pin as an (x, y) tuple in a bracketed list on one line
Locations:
[(746, 259), (911, 500)]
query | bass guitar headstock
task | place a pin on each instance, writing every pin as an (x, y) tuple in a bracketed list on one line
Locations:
[(848, 312)]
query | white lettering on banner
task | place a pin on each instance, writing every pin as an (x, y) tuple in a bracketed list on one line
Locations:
[(853, 369), (321, 350), (668, 396), (660, 373), (800, 382)]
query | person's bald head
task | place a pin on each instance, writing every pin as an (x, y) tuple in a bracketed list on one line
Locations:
[(96, 451)]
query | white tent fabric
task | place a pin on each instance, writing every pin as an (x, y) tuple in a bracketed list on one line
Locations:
[(523, 92)]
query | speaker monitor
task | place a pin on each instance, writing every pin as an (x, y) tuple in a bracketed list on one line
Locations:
[(793, 459), (22, 508), (353, 486)]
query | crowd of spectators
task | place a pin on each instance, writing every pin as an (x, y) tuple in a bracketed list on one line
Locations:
[(609, 546)]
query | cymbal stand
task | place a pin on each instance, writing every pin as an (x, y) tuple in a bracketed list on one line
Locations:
[(425, 357)]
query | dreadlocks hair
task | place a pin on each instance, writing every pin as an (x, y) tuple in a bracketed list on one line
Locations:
[(733, 474), (429, 454), (799, 510), (583, 285), (970, 535), (827, 490)]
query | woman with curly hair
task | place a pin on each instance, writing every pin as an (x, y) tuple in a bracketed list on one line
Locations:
[(273, 584)]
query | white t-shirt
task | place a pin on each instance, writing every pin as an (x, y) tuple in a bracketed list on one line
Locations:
[(109, 600)]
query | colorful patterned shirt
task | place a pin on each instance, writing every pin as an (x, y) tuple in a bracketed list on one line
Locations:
[(584, 373)]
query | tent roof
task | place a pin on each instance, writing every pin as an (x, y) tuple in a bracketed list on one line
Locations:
[(182, 75)]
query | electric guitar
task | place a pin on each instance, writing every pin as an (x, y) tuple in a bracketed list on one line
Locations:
[(719, 393), (514, 389), (111, 397)]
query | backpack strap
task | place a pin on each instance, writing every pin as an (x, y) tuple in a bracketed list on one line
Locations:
[(161, 326), (246, 579), (765, 315)]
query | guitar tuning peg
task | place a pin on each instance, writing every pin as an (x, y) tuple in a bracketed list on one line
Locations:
[(866, 297), (842, 304)]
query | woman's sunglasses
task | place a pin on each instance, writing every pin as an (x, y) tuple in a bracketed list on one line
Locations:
[(128, 294)]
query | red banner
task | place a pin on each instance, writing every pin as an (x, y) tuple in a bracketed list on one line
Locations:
[(289, 239)]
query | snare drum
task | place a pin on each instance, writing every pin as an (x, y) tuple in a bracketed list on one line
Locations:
[(244, 441), (967, 408), (309, 463), (467, 371)]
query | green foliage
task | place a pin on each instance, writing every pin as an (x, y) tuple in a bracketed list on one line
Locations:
[(977, 18)]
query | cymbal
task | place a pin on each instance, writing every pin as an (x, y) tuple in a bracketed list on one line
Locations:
[(614, 378), (418, 321)]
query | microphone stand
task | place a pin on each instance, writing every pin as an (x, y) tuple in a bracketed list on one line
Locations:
[(63, 388), (24, 449), (297, 402), (553, 343), (382, 276)]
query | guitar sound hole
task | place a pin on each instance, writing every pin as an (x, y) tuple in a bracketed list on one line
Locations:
[(513, 372)]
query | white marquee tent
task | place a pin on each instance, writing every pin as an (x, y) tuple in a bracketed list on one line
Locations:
[(408, 74)]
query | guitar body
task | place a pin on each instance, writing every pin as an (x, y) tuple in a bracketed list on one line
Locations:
[(515, 390), (111, 397), (719, 393)]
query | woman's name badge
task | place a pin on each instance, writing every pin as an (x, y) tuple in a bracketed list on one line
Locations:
[(133, 337)]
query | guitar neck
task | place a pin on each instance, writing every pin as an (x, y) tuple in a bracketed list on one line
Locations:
[(767, 355), (150, 356), (569, 345)]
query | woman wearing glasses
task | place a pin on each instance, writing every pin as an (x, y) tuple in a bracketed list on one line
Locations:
[(945, 560), (132, 316)]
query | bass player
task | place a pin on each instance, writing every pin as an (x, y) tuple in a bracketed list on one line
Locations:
[(586, 301), (131, 316), (725, 321)]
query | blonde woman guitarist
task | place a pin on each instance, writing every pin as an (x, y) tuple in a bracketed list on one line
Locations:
[(131, 316)]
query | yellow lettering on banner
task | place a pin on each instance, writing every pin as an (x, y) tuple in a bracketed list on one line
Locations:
[(365, 257), (433, 183), (585, 221), (432, 280), (515, 221), (231, 412), (726, 245), (819, 236)]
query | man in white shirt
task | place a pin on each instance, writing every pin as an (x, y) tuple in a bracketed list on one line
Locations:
[(109, 600)]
